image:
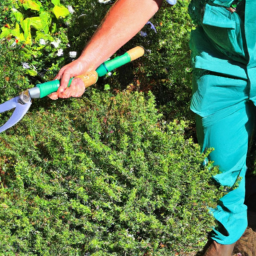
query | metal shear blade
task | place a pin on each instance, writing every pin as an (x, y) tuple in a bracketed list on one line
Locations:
[(19, 112)]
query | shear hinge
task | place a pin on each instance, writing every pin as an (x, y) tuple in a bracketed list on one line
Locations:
[(24, 97)]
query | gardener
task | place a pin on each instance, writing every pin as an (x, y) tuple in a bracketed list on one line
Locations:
[(224, 90)]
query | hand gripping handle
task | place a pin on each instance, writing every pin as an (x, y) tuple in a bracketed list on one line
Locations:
[(91, 78)]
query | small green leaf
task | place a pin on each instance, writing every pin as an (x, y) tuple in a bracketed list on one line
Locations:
[(56, 2), (46, 21), (31, 72), (5, 32), (16, 33), (25, 24), (36, 23), (188, 70), (29, 4), (18, 15), (41, 35), (54, 28), (60, 11), (106, 87)]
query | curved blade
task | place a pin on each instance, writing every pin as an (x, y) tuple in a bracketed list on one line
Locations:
[(19, 112), (8, 105)]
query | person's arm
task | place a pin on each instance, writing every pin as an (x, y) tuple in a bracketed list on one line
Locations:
[(124, 20)]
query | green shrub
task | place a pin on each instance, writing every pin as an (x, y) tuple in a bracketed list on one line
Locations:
[(12, 77), (166, 69), (38, 29), (102, 175)]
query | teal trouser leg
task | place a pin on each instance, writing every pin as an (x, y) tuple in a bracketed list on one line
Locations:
[(228, 132)]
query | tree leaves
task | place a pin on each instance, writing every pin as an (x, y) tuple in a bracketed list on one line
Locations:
[(60, 11), (31, 4), (42, 23)]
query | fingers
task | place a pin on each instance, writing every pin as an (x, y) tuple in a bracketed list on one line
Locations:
[(60, 74), (53, 96), (64, 81), (76, 89)]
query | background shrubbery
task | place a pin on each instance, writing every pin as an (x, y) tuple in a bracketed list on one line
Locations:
[(112, 173)]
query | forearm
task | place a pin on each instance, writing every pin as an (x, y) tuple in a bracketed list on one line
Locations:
[(124, 20)]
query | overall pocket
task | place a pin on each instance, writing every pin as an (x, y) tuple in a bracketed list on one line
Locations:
[(224, 3), (225, 30)]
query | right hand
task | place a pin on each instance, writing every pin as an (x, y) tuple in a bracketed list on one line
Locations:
[(77, 88)]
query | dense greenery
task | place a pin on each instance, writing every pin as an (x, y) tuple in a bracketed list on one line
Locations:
[(102, 175), (112, 173)]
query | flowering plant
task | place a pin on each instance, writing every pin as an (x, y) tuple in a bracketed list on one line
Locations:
[(37, 30), (41, 23)]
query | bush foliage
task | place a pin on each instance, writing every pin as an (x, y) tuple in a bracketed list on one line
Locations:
[(111, 173), (102, 175)]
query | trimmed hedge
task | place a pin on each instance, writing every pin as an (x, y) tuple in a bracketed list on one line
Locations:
[(102, 175)]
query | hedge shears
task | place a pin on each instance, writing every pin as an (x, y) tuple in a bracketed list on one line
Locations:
[(22, 103)]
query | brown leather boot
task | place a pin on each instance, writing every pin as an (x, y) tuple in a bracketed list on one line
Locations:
[(216, 249)]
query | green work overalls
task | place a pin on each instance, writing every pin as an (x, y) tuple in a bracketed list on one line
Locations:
[(224, 94)]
